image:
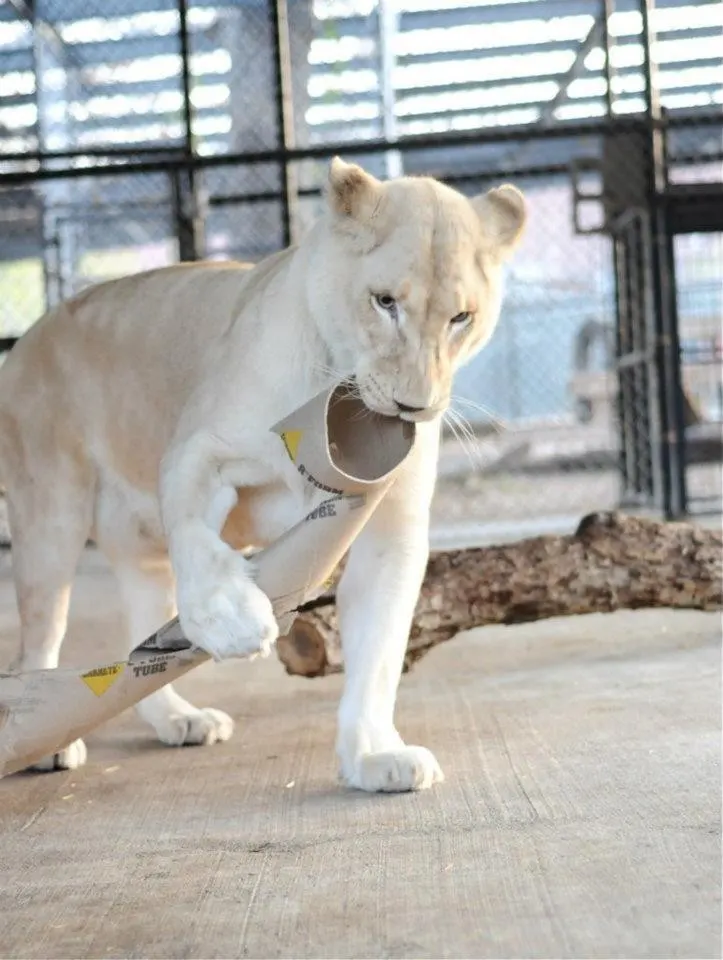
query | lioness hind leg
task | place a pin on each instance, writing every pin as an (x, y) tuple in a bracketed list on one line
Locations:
[(50, 518), (147, 592)]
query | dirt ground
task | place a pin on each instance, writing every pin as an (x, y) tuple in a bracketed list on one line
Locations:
[(580, 816)]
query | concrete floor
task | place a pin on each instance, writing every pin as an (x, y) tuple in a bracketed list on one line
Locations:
[(580, 816)]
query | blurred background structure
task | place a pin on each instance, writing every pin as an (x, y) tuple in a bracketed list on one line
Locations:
[(134, 133)]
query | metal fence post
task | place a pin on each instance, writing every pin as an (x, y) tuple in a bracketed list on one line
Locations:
[(606, 12), (284, 104), (188, 208), (663, 294)]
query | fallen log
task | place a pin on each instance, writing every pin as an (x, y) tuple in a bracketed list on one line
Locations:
[(612, 562)]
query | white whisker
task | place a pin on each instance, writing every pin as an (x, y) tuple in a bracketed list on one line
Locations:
[(492, 421), (447, 419), (473, 442), (464, 436), (331, 372), (361, 414)]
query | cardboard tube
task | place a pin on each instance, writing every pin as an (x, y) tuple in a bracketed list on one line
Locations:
[(348, 456)]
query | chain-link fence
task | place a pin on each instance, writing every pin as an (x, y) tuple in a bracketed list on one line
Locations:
[(543, 445), (134, 133)]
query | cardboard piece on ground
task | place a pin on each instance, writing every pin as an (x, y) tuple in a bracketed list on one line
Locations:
[(343, 451)]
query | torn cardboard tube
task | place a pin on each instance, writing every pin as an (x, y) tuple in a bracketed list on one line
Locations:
[(348, 456)]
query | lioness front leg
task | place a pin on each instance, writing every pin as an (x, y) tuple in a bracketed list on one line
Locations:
[(220, 607), (375, 600)]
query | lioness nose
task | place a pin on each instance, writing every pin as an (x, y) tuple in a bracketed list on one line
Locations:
[(405, 408)]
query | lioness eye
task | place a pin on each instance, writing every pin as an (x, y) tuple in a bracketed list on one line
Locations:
[(385, 301), (459, 319)]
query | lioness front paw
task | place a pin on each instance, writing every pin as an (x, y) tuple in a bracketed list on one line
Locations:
[(394, 771), (194, 727), (69, 758), (234, 620)]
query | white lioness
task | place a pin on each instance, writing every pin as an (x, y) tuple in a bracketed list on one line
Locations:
[(139, 412)]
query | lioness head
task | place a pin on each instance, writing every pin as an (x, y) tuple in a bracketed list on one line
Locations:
[(408, 283)]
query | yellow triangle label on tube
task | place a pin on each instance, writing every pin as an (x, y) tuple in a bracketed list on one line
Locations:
[(103, 677), (291, 440)]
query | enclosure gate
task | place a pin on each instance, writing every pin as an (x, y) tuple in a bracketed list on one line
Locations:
[(643, 215)]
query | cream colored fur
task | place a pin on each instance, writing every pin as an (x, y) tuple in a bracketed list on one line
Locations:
[(139, 412)]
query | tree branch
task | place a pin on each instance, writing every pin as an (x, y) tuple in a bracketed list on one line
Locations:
[(612, 562)]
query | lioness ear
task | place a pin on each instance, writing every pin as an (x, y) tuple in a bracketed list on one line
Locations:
[(353, 192), (503, 214)]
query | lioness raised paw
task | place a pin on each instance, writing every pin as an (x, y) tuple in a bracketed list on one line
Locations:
[(395, 771), (228, 617)]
